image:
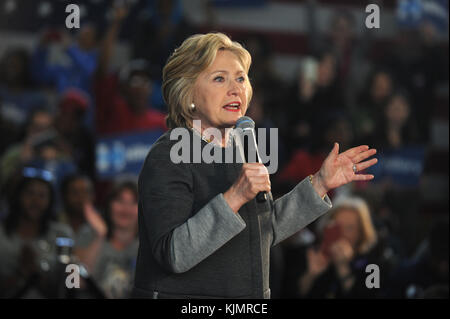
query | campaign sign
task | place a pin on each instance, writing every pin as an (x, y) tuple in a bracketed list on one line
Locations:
[(403, 166), (124, 153)]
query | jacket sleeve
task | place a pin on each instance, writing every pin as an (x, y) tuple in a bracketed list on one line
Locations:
[(295, 210), (180, 238)]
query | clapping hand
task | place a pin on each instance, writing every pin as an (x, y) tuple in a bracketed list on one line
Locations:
[(95, 220)]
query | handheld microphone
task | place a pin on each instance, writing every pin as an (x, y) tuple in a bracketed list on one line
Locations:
[(247, 125)]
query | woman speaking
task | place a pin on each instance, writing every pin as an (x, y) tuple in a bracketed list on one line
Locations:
[(202, 232)]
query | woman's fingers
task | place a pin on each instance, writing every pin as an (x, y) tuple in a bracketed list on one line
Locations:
[(254, 188), (262, 187), (256, 172), (363, 155), (366, 164), (255, 178), (334, 152), (259, 180), (363, 177), (355, 150), (255, 169)]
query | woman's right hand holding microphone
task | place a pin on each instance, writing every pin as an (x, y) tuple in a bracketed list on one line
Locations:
[(254, 178)]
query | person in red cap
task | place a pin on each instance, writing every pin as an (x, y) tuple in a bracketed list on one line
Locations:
[(69, 122)]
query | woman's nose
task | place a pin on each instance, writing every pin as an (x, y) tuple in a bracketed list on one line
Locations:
[(234, 89)]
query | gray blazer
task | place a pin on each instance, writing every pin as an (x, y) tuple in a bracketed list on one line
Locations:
[(192, 245)]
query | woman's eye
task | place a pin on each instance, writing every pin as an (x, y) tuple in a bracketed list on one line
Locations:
[(218, 79), (241, 79)]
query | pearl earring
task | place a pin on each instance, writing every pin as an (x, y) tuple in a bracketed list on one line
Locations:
[(192, 106)]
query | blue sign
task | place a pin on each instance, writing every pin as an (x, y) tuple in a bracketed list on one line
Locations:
[(402, 166), (411, 13), (124, 153)]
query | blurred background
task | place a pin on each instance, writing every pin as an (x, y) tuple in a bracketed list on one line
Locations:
[(80, 108)]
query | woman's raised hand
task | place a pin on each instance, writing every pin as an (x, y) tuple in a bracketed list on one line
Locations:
[(95, 220), (339, 169)]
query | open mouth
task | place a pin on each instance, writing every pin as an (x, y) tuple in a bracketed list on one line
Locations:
[(233, 107)]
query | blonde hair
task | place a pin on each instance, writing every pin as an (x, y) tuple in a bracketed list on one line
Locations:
[(359, 206), (183, 67)]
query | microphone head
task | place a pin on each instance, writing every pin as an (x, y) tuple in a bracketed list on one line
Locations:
[(245, 122)]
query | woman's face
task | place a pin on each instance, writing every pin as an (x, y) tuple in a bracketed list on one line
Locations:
[(326, 70), (40, 122), (381, 86), (35, 199), (348, 221), (223, 83), (397, 111), (124, 210)]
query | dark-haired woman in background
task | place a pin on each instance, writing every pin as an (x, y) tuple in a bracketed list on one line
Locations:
[(28, 236)]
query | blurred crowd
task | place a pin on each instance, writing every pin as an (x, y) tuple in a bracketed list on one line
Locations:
[(59, 98)]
